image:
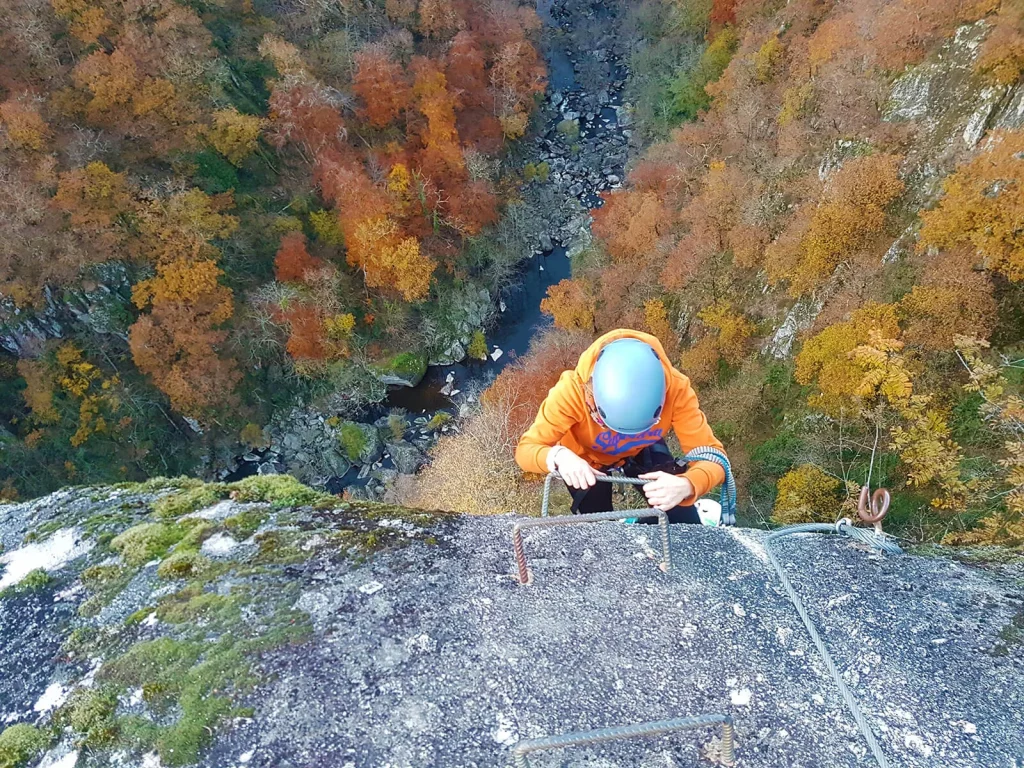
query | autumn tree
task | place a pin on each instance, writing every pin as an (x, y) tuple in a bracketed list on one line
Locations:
[(24, 126), (380, 84), (825, 359), (234, 135), (178, 341), (851, 213), (570, 303), (293, 262), (516, 76), (631, 224), (438, 18), (983, 202), (95, 198)]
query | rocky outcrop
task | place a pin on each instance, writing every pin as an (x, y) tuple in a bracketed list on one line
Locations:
[(265, 624)]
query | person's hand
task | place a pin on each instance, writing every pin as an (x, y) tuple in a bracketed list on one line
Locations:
[(665, 491), (575, 471)]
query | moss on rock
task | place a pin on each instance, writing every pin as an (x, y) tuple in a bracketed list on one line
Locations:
[(147, 541), (188, 501), (277, 490), (20, 745)]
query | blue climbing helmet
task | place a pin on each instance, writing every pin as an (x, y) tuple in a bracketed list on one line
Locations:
[(628, 386)]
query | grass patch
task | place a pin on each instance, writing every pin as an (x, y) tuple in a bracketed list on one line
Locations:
[(246, 523), (182, 565), (277, 490), (90, 713), (352, 440)]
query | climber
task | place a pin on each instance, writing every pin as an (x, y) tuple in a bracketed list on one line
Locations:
[(613, 411)]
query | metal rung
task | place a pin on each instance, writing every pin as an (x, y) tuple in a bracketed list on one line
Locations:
[(553, 522), (614, 733)]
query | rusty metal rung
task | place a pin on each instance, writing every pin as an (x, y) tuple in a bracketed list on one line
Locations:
[(614, 733), (553, 522)]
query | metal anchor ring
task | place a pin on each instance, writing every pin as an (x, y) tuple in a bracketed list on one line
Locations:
[(878, 508)]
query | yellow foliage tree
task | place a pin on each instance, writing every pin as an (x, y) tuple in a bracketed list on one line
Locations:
[(807, 494), (1004, 410), (983, 205), (922, 435), (727, 334), (825, 357), (25, 127), (234, 135)]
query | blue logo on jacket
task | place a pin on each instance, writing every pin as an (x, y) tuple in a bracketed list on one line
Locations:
[(615, 444)]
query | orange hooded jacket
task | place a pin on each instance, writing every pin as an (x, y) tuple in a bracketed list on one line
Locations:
[(564, 419)]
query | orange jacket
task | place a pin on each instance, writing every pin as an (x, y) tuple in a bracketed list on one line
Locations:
[(564, 419)]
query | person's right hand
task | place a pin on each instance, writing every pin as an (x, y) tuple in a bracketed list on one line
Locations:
[(575, 471)]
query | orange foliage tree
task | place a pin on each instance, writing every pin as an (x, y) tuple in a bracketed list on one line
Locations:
[(177, 342), (381, 85), (293, 262), (571, 304)]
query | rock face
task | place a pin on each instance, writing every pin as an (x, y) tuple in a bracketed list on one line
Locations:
[(421, 650)]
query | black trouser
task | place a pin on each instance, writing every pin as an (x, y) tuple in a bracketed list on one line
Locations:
[(654, 458)]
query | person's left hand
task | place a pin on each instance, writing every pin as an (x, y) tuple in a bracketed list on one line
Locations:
[(665, 491)]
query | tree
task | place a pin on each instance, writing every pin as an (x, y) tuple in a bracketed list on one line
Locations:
[(177, 343), (95, 198), (441, 157), (516, 75), (438, 18), (466, 71), (657, 324), (25, 127), (380, 83), (852, 211), (180, 227), (1003, 409), (111, 80), (807, 494), (293, 262), (86, 22), (631, 225), (234, 135), (922, 435), (571, 304), (307, 114), (825, 357), (982, 205)]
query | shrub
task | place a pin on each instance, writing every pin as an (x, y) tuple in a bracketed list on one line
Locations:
[(477, 346), (352, 439), (807, 495)]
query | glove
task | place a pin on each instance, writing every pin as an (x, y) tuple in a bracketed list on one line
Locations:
[(575, 471)]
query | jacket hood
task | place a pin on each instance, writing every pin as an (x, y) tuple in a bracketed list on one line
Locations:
[(585, 367)]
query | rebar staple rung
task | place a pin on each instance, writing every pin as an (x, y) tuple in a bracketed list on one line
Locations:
[(546, 499), (614, 733), (553, 522)]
